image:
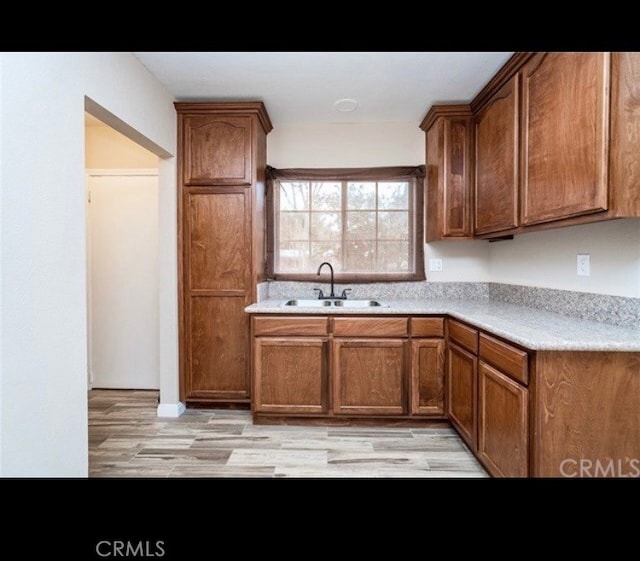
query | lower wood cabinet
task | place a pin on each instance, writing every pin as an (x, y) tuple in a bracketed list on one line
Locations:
[(290, 375), (427, 377), (348, 366), (462, 392), (579, 419), (369, 376), (503, 426)]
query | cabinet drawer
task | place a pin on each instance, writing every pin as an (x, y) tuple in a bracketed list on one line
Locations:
[(464, 336), (505, 358), (294, 326), (427, 327), (370, 327)]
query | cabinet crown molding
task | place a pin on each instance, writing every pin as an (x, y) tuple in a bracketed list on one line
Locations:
[(445, 110), (229, 107)]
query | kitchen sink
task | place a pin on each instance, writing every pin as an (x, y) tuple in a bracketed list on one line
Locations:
[(359, 304), (309, 303), (336, 303)]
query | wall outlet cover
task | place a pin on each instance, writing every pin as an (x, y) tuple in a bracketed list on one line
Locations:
[(584, 265)]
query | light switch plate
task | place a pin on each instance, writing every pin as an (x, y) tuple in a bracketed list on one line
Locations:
[(584, 264), (435, 264)]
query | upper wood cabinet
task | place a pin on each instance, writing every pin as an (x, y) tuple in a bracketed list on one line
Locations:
[(556, 143), (219, 150), (564, 135), (496, 147), (449, 198)]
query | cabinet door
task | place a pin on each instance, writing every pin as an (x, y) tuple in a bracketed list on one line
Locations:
[(496, 195), (462, 393), (218, 241), (290, 375), (427, 377), (216, 290), (369, 376), (218, 340), (217, 150), (565, 135), (448, 204), (503, 429)]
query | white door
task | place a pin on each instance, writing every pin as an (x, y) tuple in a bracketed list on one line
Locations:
[(123, 281)]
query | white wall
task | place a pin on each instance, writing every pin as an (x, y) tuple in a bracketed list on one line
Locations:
[(374, 144), (43, 378), (318, 145), (548, 259), (1, 277), (106, 148)]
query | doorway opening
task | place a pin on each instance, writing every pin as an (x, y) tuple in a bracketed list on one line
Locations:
[(122, 260)]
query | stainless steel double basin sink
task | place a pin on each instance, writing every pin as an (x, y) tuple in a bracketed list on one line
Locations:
[(326, 303)]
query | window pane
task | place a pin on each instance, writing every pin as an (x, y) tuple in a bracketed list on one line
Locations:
[(361, 225), (393, 225), (393, 256), (360, 256), (294, 257), (326, 225), (294, 196), (393, 195), (294, 226), (326, 195), (361, 195), (325, 251)]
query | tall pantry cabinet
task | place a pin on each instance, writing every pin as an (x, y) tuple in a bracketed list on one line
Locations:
[(222, 153)]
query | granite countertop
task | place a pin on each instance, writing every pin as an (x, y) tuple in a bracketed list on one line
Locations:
[(534, 329)]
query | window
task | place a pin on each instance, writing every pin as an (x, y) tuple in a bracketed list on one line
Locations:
[(366, 223)]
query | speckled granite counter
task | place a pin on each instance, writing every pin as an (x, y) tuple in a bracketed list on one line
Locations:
[(529, 327)]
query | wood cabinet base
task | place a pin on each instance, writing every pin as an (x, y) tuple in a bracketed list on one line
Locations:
[(346, 421)]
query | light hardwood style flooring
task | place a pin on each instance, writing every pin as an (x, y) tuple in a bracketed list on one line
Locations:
[(127, 439)]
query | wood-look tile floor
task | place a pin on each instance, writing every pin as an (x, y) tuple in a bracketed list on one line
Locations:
[(127, 439)]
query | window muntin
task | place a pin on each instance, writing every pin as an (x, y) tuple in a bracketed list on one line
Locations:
[(367, 229)]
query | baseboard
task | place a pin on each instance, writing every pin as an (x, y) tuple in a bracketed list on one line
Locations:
[(171, 409)]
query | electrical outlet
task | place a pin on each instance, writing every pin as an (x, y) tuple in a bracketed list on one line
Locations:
[(435, 264), (584, 264)]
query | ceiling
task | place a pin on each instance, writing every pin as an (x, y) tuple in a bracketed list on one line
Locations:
[(302, 87)]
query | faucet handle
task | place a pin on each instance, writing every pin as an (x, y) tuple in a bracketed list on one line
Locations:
[(344, 293), (320, 294)]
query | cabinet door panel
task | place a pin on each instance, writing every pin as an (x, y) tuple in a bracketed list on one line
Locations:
[(449, 141), (427, 377), (218, 150), (219, 245), (496, 195), (456, 214), (565, 135), (290, 375), (218, 337), (462, 392), (503, 429), (368, 376)]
